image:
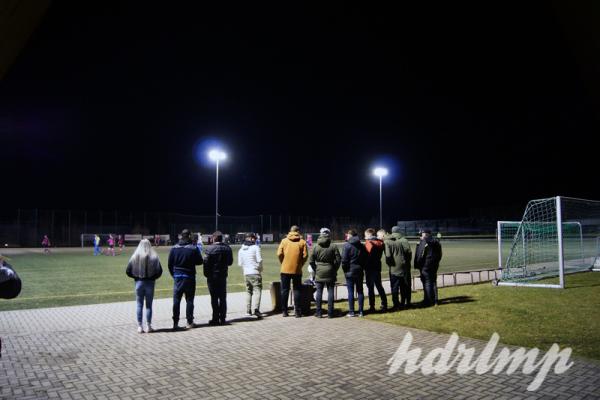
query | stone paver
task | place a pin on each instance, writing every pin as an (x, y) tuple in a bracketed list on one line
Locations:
[(93, 352)]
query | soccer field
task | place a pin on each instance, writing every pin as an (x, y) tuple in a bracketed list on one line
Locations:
[(73, 276)]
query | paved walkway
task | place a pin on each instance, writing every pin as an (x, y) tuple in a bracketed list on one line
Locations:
[(94, 352)]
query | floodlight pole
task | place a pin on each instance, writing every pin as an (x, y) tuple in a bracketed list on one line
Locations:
[(217, 199), (380, 203)]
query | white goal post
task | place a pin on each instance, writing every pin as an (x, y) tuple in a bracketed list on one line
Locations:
[(557, 236)]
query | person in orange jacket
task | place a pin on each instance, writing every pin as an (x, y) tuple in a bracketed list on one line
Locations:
[(292, 253)]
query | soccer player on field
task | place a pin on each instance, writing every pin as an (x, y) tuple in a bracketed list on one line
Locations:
[(97, 249), (46, 244), (111, 244)]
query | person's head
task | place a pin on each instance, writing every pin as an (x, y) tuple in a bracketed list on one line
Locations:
[(395, 229), (351, 233), (217, 237), (186, 235), (295, 228), (250, 237), (325, 231), (425, 233), (143, 251), (381, 234), (370, 233)]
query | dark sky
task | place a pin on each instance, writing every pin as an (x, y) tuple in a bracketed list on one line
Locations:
[(471, 107)]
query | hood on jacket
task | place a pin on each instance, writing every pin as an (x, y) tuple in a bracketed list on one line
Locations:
[(375, 243), (396, 236), (247, 243), (354, 240), (324, 240), (294, 236)]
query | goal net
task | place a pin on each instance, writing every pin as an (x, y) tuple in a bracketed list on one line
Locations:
[(556, 236)]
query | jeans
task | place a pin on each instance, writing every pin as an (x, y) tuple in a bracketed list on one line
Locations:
[(217, 287), (253, 286), (296, 279), (374, 281), (144, 290), (183, 286), (401, 285), (351, 283), (320, 286), (430, 295)]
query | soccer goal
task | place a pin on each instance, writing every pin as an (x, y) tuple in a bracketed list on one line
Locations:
[(556, 236)]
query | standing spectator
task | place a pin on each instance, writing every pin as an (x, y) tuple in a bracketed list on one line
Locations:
[(121, 241), (427, 260), (144, 267), (183, 258), (97, 249), (292, 253), (374, 247), (354, 259), (46, 244), (325, 260), (398, 256), (111, 244), (217, 259), (250, 259)]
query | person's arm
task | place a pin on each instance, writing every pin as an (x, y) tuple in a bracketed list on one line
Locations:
[(259, 259), (304, 253), (338, 258), (387, 249), (128, 270), (311, 257), (229, 256), (280, 251), (159, 272), (345, 260), (171, 262), (407, 252)]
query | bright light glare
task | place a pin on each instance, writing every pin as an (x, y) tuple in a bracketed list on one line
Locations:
[(217, 155), (380, 171)]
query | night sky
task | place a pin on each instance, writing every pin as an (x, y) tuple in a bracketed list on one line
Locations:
[(470, 107)]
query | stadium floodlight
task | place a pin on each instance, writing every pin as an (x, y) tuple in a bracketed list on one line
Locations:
[(216, 156), (380, 172)]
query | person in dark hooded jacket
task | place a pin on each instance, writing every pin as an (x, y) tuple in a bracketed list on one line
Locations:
[(183, 258), (354, 259), (427, 260), (374, 247), (325, 259), (217, 259)]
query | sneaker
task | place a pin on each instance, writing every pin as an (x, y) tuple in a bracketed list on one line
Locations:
[(298, 315), (350, 315), (285, 314), (248, 314), (329, 316), (175, 327), (258, 314), (384, 308), (360, 314), (150, 329), (318, 315), (223, 322), (190, 326), (213, 322), (140, 329)]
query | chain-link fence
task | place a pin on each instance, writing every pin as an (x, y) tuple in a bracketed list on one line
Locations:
[(26, 227)]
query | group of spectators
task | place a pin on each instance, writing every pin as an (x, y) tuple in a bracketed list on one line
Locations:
[(358, 260)]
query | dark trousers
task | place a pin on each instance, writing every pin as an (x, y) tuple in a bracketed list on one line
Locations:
[(351, 284), (217, 287), (374, 281), (400, 286), (429, 280), (330, 286), (183, 286), (296, 280)]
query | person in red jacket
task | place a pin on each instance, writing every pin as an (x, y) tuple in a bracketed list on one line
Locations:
[(375, 249)]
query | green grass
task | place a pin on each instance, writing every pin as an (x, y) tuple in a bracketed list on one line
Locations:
[(531, 317), (74, 276)]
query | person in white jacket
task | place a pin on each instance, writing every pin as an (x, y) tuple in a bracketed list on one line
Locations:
[(250, 259)]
